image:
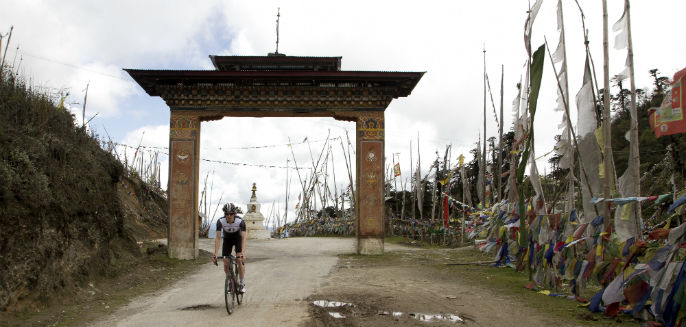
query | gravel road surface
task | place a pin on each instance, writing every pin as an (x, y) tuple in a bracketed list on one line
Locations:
[(280, 275)]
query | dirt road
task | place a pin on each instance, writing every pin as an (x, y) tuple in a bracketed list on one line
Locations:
[(280, 275), (299, 281)]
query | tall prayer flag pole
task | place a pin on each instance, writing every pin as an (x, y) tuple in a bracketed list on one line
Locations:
[(607, 129), (500, 135), (634, 125), (482, 167)]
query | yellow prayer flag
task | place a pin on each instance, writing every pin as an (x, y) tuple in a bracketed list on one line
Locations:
[(447, 179), (61, 104), (599, 139), (626, 211)]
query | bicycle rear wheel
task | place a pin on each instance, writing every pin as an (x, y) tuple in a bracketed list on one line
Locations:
[(229, 293)]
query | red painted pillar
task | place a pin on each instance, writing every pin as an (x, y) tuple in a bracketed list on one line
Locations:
[(369, 197), (184, 155)]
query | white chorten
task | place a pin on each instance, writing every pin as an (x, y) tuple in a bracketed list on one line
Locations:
[(254, 219)]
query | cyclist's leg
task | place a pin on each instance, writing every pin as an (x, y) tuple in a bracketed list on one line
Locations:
[(226, 251), (241, 267)]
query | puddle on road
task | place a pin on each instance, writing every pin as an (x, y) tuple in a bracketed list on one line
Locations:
[(394, 314), (423, 317), (198, 307), (436, 317), (331, 304), (336, 315)]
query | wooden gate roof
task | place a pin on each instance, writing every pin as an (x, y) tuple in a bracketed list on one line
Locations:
[(265, 82)]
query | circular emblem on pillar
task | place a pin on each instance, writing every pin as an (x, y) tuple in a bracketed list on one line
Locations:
[(371, 156)]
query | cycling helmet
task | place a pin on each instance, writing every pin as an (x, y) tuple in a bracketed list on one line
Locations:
[(229, 208)]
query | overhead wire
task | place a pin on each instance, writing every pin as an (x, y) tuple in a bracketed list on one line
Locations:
[(28, 54), (155, 149)]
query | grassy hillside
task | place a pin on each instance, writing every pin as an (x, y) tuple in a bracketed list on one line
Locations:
[(67, 210)]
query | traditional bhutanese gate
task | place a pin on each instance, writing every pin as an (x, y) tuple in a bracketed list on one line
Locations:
[(274, 86)]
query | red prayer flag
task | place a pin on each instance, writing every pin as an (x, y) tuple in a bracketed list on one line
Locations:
[(634, 292), (445, 211), (658, 233), (612, 310), (669, 117)]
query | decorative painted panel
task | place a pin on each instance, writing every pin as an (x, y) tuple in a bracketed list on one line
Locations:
[(370, 126), (370, 184), (181, 195), (274, 97)]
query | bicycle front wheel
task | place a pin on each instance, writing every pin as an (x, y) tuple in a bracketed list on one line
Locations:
[(239, 295), (229, 291)]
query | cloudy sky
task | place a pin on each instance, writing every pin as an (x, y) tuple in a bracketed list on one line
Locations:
[(65, 45)]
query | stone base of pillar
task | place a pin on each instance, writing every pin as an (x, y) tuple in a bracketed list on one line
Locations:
[(370, 246), (183, 253), (258, 234)]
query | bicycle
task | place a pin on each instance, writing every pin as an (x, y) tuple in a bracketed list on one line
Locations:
[(232, 293)]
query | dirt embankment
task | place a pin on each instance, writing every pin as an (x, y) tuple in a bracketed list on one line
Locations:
[(68, 212)]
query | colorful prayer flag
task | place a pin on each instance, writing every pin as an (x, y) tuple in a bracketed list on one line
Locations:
[(396, 170), (445, 211), (447, 179), (668, 119)]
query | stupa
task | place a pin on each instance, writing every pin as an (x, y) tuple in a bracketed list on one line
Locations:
[(254, 219)]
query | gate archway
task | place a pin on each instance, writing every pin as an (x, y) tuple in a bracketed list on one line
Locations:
[(274, 86)]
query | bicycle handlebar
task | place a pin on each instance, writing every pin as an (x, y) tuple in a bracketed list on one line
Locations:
[(225, 257)]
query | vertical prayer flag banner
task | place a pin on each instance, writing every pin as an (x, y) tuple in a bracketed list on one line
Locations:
[(445, 211), (669, 119), (396, 170)]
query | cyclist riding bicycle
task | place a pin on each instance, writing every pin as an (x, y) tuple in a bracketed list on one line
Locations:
[(233, 228)]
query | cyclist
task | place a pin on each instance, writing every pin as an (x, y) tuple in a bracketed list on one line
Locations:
[(233, 228)]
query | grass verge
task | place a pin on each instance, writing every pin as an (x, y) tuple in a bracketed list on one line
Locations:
[(99, 298), (467, 265)]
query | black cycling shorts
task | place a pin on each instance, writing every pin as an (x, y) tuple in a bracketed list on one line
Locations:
[(228, 245)]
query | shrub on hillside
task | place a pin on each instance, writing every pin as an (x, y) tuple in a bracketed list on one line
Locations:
[(61, 215)]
